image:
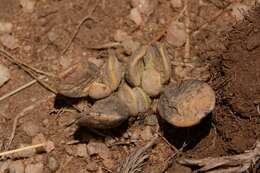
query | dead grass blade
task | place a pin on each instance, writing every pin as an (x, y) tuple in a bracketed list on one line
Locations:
[(136, 160), (226, 164), (89, 16)]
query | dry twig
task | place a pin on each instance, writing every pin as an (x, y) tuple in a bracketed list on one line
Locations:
[(28, 69), (169, 160), (23, 65), (89, 16), (22, 149), (226, 164), (21, 114), (105, 46), (135, 161), (164, 30), (187, 26), (19, 89)]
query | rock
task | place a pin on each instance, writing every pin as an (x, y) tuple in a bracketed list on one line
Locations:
[(81, 150), (253, 41), (151, 120), (176, 3), (16, 167), (45, 122), (4, 74), (109, 140), (53, 164), (109, 163), (30, 128), (9, 41), (121, 36), (65, 62), (6, 27), (146, 133), (27, 5), (39, 138), (98, 148), (136, 16), (52, 36), (130, 46), (92, 166), (98, 62), (239, 10), (34, 168), (145, 7), (100, 170), (135, 135), (176, 34), (49, 146)]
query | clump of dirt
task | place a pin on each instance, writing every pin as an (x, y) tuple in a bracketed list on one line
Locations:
[(237, 84)]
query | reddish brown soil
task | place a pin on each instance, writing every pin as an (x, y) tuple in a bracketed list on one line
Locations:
[(232, 52), (238, 87)]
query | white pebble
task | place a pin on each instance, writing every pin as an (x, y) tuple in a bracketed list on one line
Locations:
[(30, 128), (176, 3), (146, 133), (9, 41), (5, 27), (82, 150), (4, 74), (53, 164), (136, 16), (27, 5), (176, 34), (239, 10), (120, 35)]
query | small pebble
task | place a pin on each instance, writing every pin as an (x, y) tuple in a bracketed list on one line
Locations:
[(34, 168), (121, 36), (109, 140), (109, 163), (65, 61), (126, 135), (30, 128), (82, 150), (98, 62), (52, 36), (53, 164), (45, 122), (130, 46), (135, 135), (239, 10), (136, 16), (39, 138), (98, 148), (27, 5), (4, 74), (146, 133), (6, 27), (151, 120), (9, 41), (176, 3), (92, 166), (176, 34)]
